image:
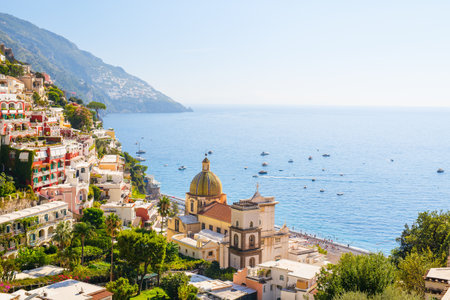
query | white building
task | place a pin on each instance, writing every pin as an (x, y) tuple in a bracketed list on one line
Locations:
[(68, 289), (125, 211), (47, 218)]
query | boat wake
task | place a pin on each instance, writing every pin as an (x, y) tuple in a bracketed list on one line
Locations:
[(309, 178)]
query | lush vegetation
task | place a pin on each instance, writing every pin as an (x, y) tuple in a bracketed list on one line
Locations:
[(79, 117), (137, 172), (423, 245), (7, 185)]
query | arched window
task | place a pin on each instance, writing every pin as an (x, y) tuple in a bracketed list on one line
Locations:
[(252, 241), (11, 106), (251, 224), (4, 106), (19, 106), (237, 223), (252, 262), (236, 240), (177, 225), (192, 206)]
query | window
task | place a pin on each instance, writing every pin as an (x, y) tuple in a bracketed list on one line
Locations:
[(218, 230), (193, 254), (211, 227), (281, 277), (46, 217), (192, 206), (185, 250), (210, 253), (252, 240), (8, 229), (271, 287), (64, 212), (264, 289), (277, 240), (237, 223), (203, 226), (251, 224), (252, 265), (177, 225), (56, 215), (225, 232), (236, 240)]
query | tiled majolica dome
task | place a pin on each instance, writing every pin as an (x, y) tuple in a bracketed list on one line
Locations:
[(206, 183)]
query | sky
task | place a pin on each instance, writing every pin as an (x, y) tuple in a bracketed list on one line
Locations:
[(280, 52)]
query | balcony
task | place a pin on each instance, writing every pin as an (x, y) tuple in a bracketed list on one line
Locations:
[(61, 168)]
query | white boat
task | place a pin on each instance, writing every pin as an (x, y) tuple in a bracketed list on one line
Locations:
[(210, 152), (322, 190), (326, 155), (140, 151), (245, 168), (182, 168), (264, 153), (440, 170), (323, 170), (265, 164), (138, 158), (310, 158), (313, 179), (290, 161), (255, 176), (339, 194), (281, 170), (305, 187), (262, 172)]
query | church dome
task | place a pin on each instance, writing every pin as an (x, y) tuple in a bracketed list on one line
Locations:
[(206, 183)]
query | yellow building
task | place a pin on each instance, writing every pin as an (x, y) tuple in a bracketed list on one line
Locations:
[(204, 231)]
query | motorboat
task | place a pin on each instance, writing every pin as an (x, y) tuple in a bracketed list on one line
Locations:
[(245, 168), (264, 153), (290, 161), (262, 172), (280, 170), (326, 155), (339, 194), (305, 187), (255, 176), (265, 164), (392, 160), (323, 170), (341, 174), (322, 190), (210, 152), (138, 158), (310, 158), (313, 179), (440, 170), (182, 168), (165, 165)]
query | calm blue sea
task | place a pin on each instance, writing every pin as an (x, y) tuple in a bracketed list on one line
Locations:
[(380, 196)]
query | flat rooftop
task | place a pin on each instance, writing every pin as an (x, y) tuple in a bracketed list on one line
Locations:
[(439, 273), (296, 269), (35, 210)]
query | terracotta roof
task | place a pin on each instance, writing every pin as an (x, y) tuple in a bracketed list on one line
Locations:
[(218, 211), (100, 295)]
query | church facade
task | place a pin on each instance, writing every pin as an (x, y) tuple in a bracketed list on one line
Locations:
[(239, 235)]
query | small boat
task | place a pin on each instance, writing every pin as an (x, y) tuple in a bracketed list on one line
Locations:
[(255, 176), (140, 158), (322, 190), (326, 155), (264, 164), (140, 152), (262, 172), (310, 158), (305, 187), (341, 174), (245, 168), (339, 194), (392, 160), (165, 165), (290, 161), (264, 153), (182, 168), (440, 170), (313, 179), (210, 152), (280, 170), (323, 170)]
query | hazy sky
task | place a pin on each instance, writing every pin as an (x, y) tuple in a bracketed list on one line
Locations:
[(266, 52)]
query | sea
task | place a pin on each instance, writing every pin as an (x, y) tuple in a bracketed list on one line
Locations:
[(380, 173)]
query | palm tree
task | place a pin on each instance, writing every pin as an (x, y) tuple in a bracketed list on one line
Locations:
[(83, 230), (63, 234), (113, 226), (163, 209)]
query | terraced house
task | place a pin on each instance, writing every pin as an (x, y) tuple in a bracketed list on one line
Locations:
[(32, 226)]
